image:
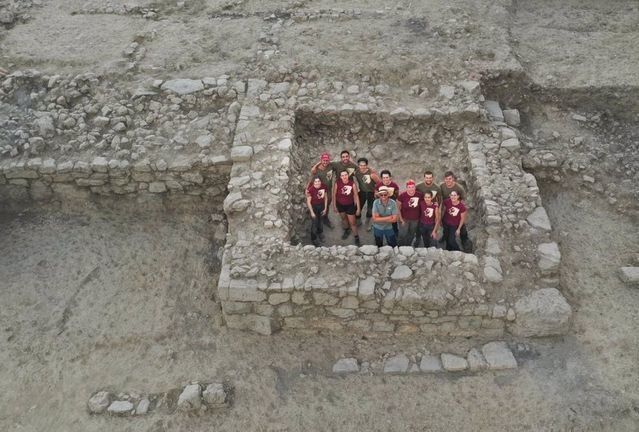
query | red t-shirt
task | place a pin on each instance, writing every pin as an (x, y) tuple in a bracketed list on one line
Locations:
[(428, 212), (317, 194), (392, 185), (345, 192), (410, 205), (452, 216)]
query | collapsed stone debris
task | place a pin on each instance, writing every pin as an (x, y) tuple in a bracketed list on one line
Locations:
[(193, 398)]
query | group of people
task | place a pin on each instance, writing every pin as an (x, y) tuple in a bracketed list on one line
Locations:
[(403, 218)]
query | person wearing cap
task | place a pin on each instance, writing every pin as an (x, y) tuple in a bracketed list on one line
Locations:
[(393, 188), (317, 203), (366, 180), (385, 214), (324, 170), (453, 218), (408, 205), (346, 203), (429, 219)]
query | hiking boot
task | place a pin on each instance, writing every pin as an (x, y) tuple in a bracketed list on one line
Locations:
[(357, 242), (346, 233)]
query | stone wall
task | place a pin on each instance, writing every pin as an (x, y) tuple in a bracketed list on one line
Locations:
[(45, 180)]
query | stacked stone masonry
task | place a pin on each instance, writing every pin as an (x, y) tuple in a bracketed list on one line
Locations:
[(250, 142)]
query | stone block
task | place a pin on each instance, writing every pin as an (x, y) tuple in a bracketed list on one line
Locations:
[(629, 275), (539, 219), (498, 356), (278, 298), (511, 117), (549, 257), (366, 290), (241, 153), (341, 313), (245, 290), (257, 323), (324, 299), (545, 312), (214, 395), (190, 399), (494, 111), (183, 86), (345, 366), (99, 402), (120, 408), (476, 360), (430, 364), (453, 363), (396, 364)]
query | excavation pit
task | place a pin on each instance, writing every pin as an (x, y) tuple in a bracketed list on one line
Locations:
[(405, 146)]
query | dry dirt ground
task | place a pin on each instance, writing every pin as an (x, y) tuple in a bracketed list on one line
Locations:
[(103, 297)]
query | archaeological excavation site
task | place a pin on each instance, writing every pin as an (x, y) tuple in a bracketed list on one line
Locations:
[(160, 270)]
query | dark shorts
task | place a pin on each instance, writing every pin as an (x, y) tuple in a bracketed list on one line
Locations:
[(349, 209)]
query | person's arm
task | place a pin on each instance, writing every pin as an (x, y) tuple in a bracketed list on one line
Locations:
[(325, 204), (399, 212), (314, 168), (308, 204), (438, 221), (375, 177), (356, 197), (334, 195), (461, 222), (395, 215)]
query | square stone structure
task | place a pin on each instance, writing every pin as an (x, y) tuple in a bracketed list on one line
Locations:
[(270, 281), (251, 143)]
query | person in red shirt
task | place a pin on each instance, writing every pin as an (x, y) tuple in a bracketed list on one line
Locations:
[(317, 203), (393, 191), (408, 203), (429, 219), (346, 203), (454, 218)]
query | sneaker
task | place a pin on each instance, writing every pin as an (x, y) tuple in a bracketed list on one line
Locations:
[(357, 242), (346, 233), (328, 223)]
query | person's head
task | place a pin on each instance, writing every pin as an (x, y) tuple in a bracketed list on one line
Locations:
[(317, 182), (410, 187), (454, 197), (386, 177), (449, 179), (345, 156), (362, 163), (325, 159), (428, 197), (343, 175), (384, 193), (428, 177)]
